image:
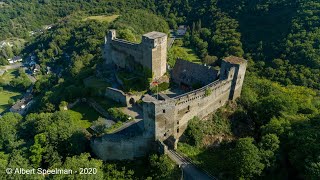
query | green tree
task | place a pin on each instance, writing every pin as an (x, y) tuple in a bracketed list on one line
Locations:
[(246, 160), (111, 172), (37, 149), (11, 102), (127, 34), (269, 146), (82, 161), (3, 164), (9, 132), (162, 167)]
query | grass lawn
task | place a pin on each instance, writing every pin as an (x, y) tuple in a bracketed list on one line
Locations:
[(102, 18), (133, 83), (213, 160), (106, 103), (84, 115), (5, 96), (8, 76), (183, 53)]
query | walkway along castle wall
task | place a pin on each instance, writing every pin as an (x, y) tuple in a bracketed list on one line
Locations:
[(164, 119), (169, 118)]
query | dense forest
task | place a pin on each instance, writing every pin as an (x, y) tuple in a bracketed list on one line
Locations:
[(271, 132)]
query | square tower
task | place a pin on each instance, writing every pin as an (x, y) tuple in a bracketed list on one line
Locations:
[(154, 46), (233, 68)]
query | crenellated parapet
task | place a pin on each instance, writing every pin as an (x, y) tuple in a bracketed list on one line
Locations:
[(164, 118), (151, 53), (172, 115)]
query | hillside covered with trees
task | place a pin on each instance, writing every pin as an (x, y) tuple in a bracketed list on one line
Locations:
[(271, 132)]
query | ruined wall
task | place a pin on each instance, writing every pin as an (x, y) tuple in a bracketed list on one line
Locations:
[(116, 95), (121, 97)]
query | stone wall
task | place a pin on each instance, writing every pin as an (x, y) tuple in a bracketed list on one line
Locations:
[(165, 119), (116, 95), (172, 115), (151, 53), (120, 148), (121, 97), (188, 73)]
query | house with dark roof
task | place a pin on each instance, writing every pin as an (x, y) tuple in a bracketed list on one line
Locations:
[(182, 30), (22, 106)]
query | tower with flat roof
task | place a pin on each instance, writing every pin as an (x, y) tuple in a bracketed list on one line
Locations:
[(151, 53)]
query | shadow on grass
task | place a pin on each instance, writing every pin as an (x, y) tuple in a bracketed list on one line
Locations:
[(87, 112), (212, 159)]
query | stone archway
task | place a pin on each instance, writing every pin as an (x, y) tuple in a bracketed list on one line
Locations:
[(171, 142), (132, 101)]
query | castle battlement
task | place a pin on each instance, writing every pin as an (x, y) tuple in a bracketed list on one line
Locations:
[(171, 116), (164, 118), (151, 53)]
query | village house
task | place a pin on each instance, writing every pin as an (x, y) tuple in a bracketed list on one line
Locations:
[(182, 30), (15, 59), (22, 106)]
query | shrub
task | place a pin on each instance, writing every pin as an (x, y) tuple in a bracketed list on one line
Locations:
[(11, 102), (161, 87), (119, 115), (207, 92)]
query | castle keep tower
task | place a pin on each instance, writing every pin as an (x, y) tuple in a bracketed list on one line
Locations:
[(154, 46), (151, 53)]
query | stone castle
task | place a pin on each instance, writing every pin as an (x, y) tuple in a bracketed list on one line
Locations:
[(165, 117), (151, 53)]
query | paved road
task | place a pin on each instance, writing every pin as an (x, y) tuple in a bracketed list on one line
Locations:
[(189, 170), (17, 66), (13, 66)]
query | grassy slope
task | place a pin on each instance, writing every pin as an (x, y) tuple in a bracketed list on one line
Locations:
[(6, 94), (84, 115), (212, 160), (102, 18), (183, 53), (8, 76)]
